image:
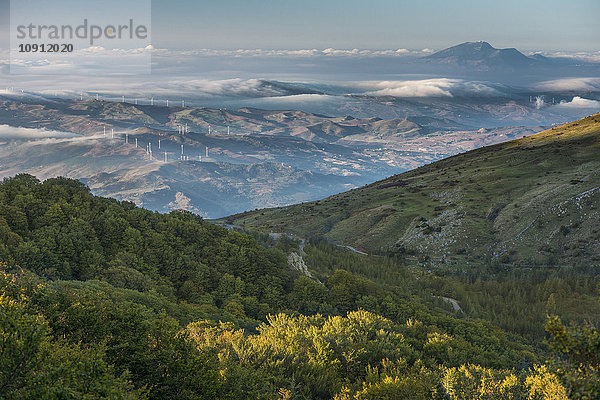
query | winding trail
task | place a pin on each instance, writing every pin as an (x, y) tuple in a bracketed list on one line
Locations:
[(352, 249), (454, 303)]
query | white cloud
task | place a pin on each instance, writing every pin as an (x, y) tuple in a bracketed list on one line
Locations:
[(11, 132), (579, 102), (570, 84), (226, 87), (443, 87), (343, 52), (93, 49), (295, 101), (592, 56), (297, 52)]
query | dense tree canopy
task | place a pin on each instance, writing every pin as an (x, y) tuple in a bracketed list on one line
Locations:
[(102, 299)]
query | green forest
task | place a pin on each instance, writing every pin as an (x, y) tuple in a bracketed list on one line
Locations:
[(103, 299)]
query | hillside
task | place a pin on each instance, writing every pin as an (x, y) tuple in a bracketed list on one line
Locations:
[(530, 201), (161, 306), (98, 289)]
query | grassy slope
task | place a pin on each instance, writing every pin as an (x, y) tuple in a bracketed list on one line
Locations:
[(531, 200)]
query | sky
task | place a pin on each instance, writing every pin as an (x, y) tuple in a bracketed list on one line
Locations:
[(529, 25)]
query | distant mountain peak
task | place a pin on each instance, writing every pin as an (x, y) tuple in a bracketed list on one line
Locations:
[(481, 44), (480, 54)]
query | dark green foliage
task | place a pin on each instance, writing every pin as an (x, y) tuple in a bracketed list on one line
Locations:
[(35, 363), (113, 287), (57, 229), (578, 357)]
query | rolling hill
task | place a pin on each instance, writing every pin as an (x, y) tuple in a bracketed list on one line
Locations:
[(530, 201)]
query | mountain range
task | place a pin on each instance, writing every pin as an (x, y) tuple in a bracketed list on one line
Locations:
[(252, 158)]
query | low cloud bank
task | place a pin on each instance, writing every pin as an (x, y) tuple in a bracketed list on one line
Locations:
[(570, 84), (579, 102), (252, 88), (443, 87), (11, 132)]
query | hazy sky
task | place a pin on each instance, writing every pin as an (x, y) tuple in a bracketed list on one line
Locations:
[(375, 24)]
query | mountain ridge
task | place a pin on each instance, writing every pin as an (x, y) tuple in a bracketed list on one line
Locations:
[(482, 54)]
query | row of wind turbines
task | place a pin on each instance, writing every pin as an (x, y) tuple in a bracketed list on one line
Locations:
[(150, 153), (182, 130)]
